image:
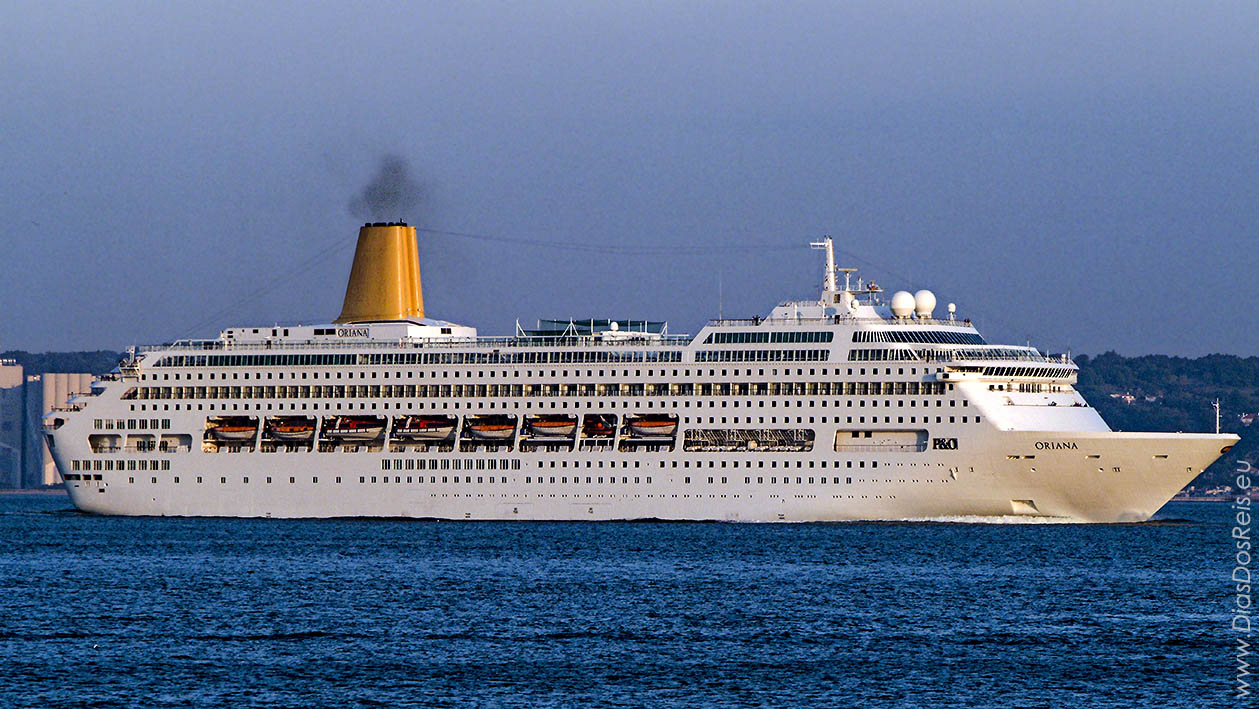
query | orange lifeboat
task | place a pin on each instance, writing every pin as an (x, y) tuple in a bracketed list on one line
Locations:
[(653, 425)]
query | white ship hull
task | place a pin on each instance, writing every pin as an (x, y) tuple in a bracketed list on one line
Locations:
[(982, 481)]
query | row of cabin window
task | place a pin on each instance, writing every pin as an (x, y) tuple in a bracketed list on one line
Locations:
[(1028, 387), (481, 480), (912, 419), (442, 391), (939, 337), (412, 358), (362, 479), (130, 424), (120, 464), (780, 336), (411, 374), (881, 355), (714, 464), (786, 480), (1042, 372), (542, 405), (762, 355), (447, 464)]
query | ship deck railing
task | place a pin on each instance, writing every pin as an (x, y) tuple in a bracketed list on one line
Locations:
[(837, 320), (948, 358), (654, 342)]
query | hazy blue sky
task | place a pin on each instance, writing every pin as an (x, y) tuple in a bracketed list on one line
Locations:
[(1080, 174)]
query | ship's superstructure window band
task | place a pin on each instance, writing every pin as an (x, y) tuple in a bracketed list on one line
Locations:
[(741, 338), (881, 355), (316, 360), (939, 337), (943, 355), (442, 391), (1039, 372), (762, 355)]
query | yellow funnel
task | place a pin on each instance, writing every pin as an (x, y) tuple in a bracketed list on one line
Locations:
[(385, 279)]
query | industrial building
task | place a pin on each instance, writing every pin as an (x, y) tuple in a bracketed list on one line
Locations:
[(25, 461)]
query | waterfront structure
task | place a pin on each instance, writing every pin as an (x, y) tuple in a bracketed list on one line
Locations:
[(49, 391), (25, 461), (12, 422), (844, 407)]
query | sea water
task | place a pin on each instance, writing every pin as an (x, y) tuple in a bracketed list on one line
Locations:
[(101, 611)]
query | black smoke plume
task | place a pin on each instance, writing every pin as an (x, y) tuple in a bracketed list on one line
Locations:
[(391, 195)]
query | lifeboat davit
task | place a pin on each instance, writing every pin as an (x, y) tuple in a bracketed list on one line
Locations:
[(599, 426)]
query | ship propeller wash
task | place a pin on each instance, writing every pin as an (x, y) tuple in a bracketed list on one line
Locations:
[(849, 406)]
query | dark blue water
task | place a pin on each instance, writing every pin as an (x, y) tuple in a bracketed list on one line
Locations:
[(111, 611)]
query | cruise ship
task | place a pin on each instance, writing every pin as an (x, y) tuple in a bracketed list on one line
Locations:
[(849, 406)]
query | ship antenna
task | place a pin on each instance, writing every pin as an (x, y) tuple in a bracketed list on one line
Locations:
[(1216, 405)]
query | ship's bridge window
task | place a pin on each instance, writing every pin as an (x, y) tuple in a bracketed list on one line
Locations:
[(942, 337), (729, 338)]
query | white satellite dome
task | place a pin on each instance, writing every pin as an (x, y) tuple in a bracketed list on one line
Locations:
[(924, 303), (902, 304)]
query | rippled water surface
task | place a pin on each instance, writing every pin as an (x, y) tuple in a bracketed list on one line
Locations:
[(114, 611)]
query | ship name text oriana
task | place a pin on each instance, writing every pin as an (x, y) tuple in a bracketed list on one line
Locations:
[(846, 407)]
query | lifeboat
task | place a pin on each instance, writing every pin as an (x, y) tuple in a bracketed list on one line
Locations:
[(652, 425), (423, 428), (552, 426), (233, 429), (353, 428), (291, 428), (490, 428), (599, 426)]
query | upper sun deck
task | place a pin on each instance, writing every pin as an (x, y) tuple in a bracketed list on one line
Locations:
[(873, 321), (480, 342)]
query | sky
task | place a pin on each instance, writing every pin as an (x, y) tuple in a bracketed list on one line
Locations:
[(1082, 176)]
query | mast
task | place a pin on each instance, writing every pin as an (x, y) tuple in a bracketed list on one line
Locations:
[(828, 281)]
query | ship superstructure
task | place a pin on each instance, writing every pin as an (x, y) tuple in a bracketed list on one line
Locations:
[(844, 407)]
